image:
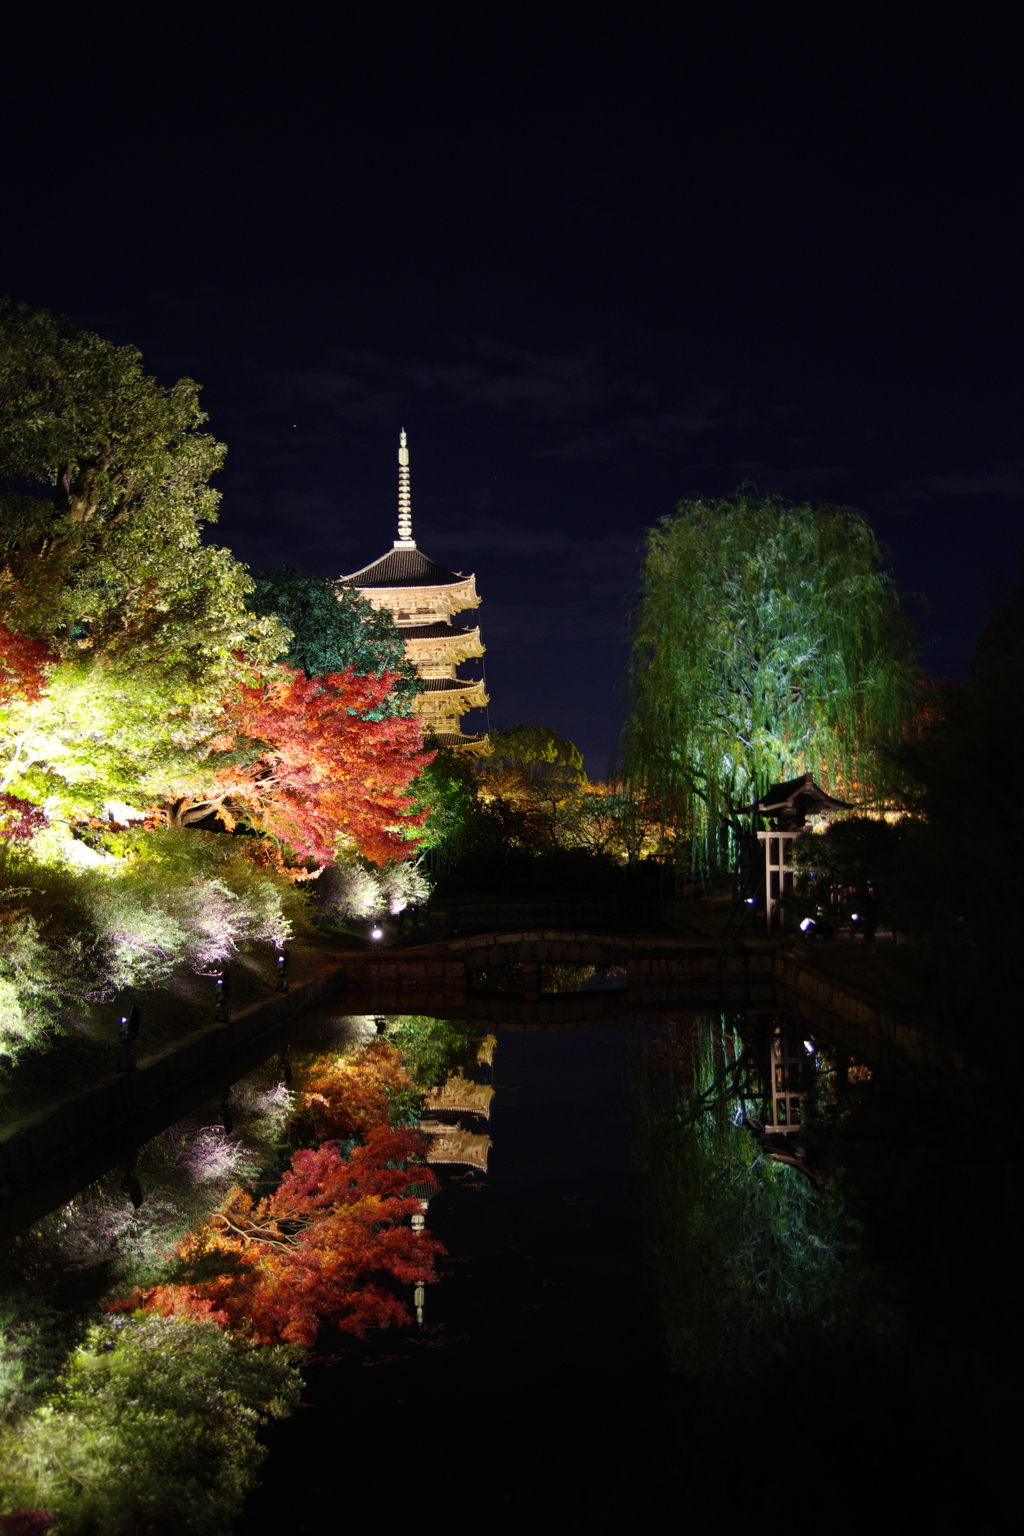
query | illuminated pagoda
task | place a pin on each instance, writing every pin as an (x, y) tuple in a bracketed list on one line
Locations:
[(422, 598)]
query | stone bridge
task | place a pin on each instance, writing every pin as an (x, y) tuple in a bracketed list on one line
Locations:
[(456, 979)]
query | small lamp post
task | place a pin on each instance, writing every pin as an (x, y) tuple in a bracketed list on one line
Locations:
[(223, 986), (282, 970), (128, 1033)]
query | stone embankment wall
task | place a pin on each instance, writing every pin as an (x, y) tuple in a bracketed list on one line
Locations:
[(47, 1156)]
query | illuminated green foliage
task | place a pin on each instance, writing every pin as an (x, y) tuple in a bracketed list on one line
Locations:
[(101, 731), (154, 1428), (768, 641), (448, 789), (106, 489), (433, 1048)]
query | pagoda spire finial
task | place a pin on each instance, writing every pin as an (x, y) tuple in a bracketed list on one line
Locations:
[(405, 539)]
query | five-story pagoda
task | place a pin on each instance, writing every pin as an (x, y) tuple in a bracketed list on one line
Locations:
[(421, 597)]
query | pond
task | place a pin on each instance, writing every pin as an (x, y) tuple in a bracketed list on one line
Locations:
[(643, 1311), (538, 1383)]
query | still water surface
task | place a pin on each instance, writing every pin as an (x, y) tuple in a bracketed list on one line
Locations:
[(538, 1383), (538, 1395)]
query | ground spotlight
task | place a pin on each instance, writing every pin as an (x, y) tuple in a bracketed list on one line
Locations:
[(808, 926)]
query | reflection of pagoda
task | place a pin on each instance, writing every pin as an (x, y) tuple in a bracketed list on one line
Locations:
[(460, 1095), (422, 597)]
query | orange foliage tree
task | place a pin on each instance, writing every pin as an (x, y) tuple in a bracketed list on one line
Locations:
[(275, 1269), (344, 1096), (298, 758)]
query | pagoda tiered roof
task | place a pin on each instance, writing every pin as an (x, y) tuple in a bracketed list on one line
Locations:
[(403, 568), (437, 632), (479, 745), (449, 684)]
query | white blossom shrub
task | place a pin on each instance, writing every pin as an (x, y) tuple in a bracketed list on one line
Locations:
[(72, 934), (353, 890)]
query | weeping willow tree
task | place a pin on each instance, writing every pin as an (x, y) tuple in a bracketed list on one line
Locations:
[(768, 641)]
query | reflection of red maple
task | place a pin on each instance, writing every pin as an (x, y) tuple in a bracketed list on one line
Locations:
[(22, 666), (322, 767), (309, 1253), (343, 1096)]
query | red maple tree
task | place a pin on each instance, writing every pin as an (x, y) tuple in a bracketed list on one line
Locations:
[(310, 1252), (321, 767), (22, 666)]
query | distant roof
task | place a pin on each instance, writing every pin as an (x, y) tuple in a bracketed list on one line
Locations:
[(801, 797), (403, 568), (436, 632)]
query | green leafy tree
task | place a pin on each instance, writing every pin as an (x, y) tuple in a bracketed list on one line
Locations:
[(104, 490), (333, 628), (537, 752), (448, 789), (154, 1429), (768, 640)]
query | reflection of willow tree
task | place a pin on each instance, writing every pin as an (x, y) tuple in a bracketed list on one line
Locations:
[(745, 1251), (768, 641)]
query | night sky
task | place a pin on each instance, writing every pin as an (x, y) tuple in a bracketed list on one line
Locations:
[(592, 260)]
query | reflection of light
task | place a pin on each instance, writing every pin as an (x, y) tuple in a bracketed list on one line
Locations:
[(807, 924), (376, 933)]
